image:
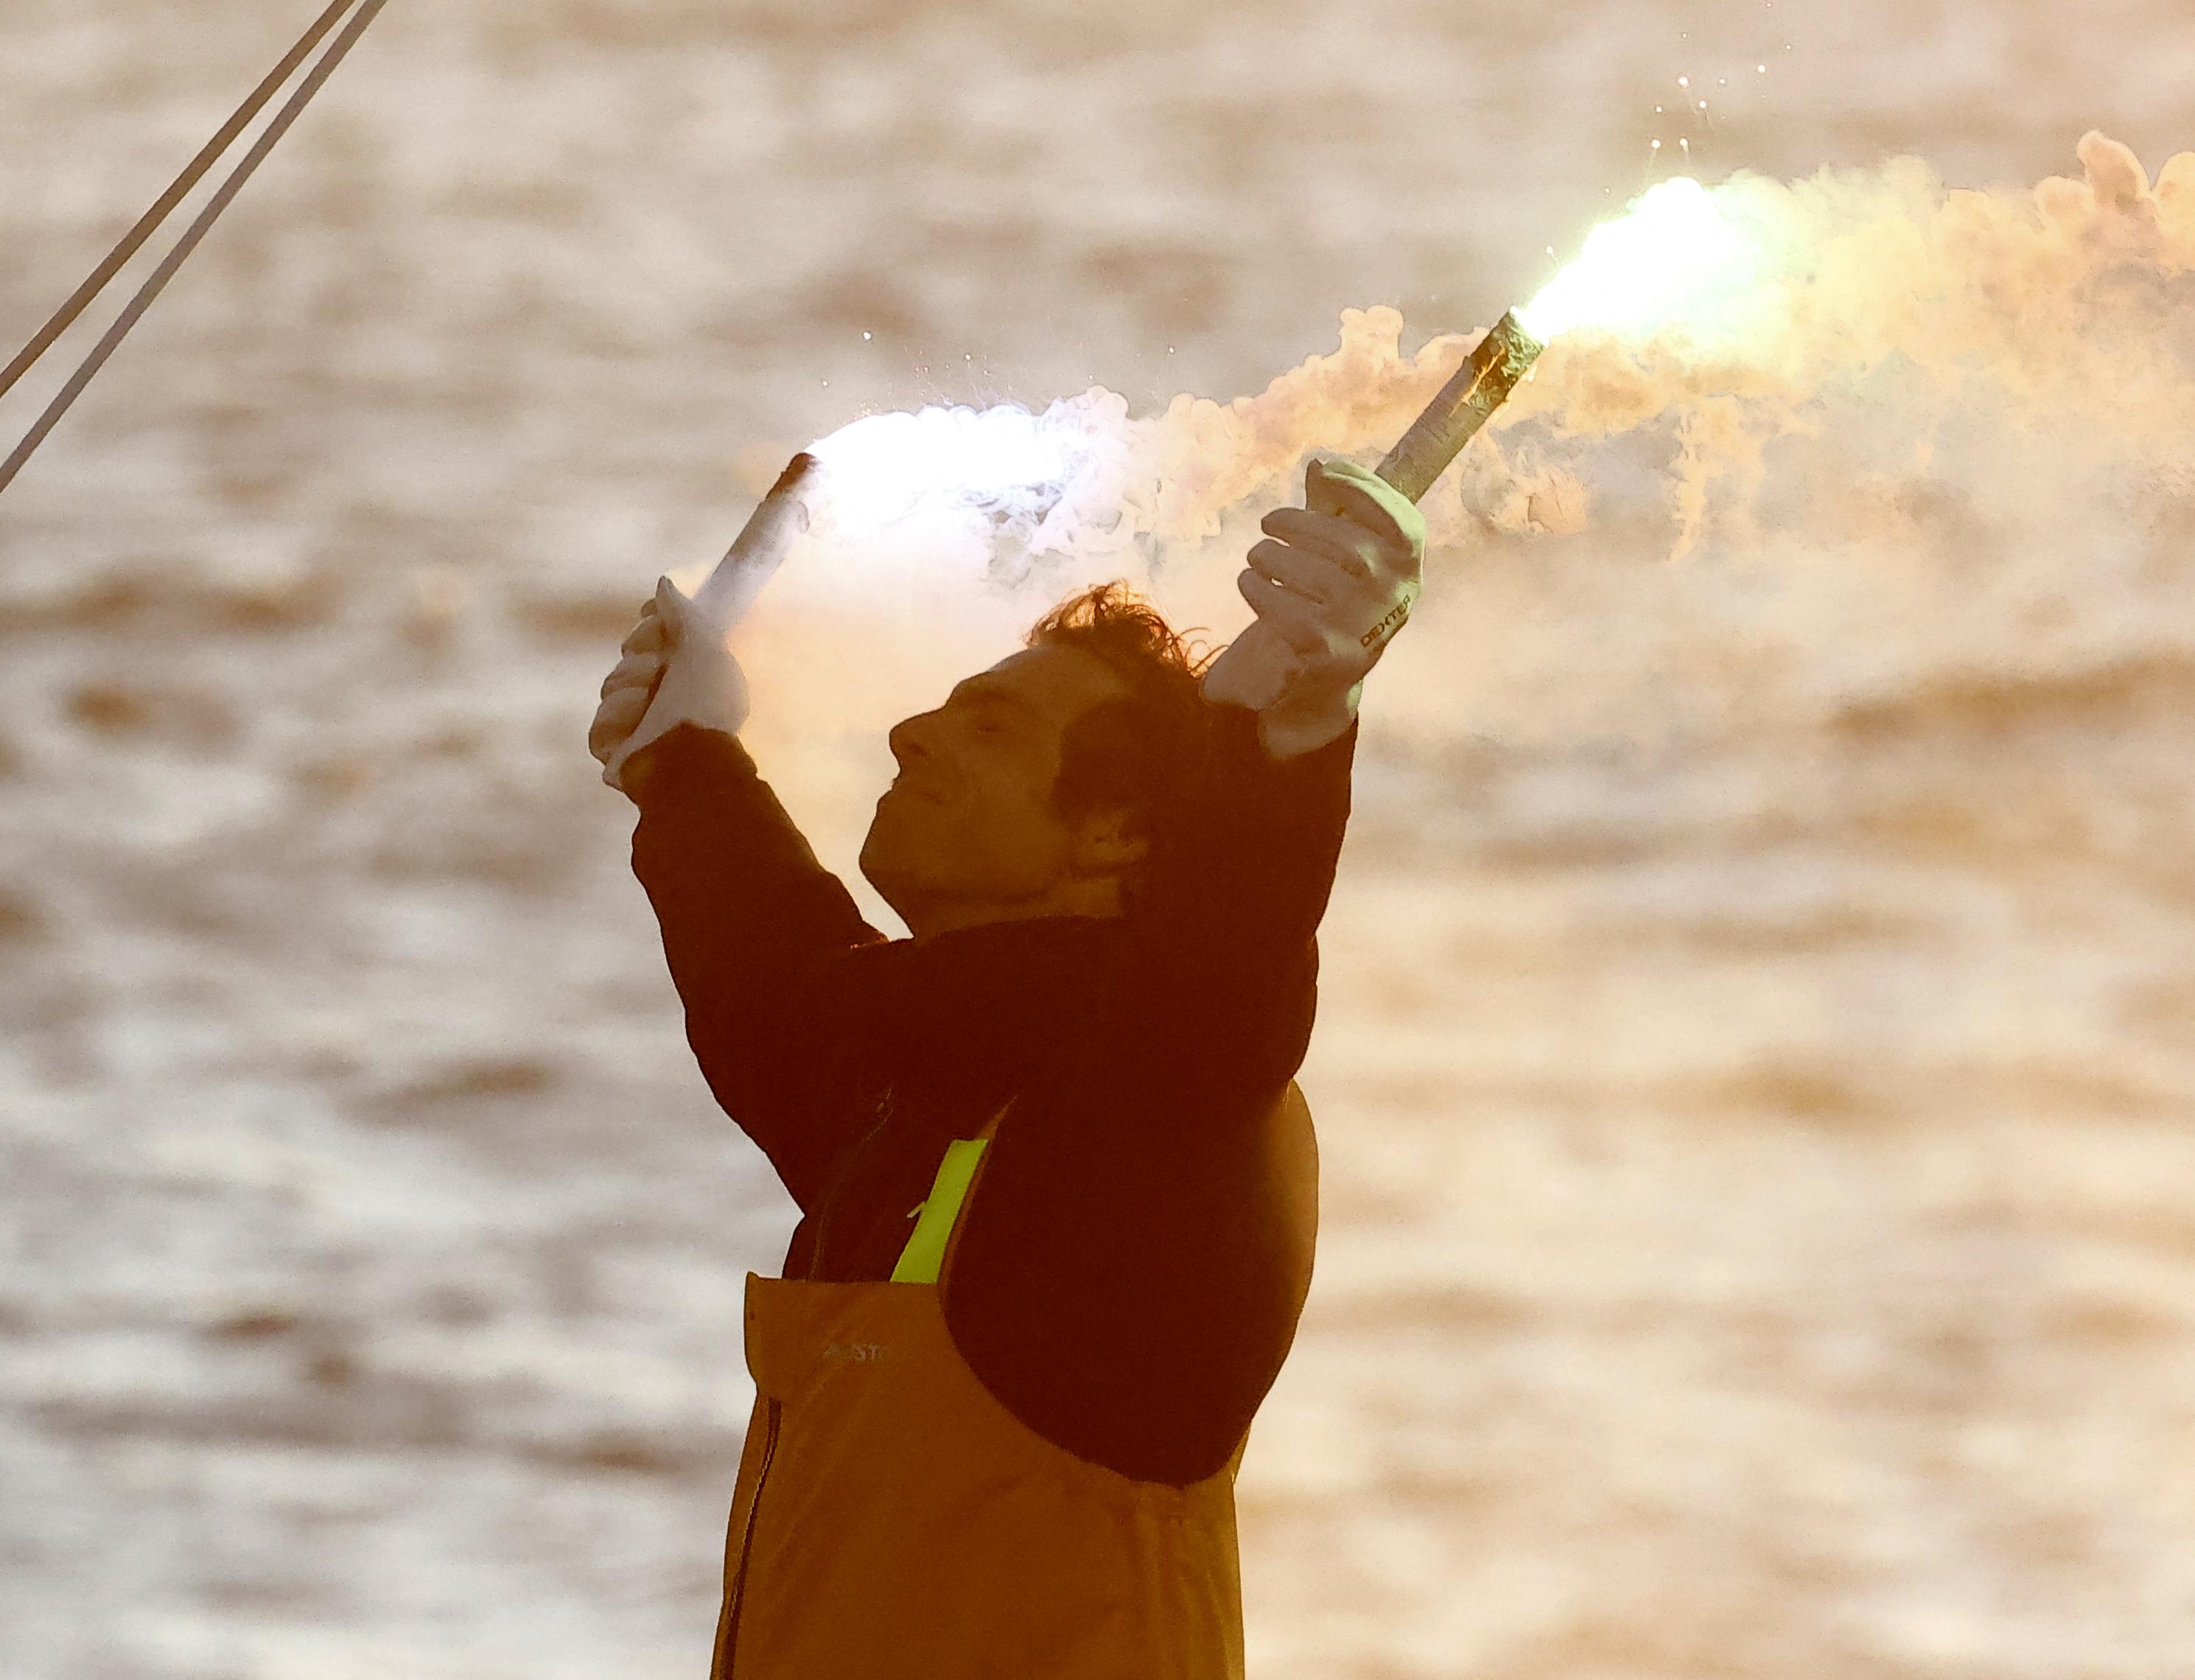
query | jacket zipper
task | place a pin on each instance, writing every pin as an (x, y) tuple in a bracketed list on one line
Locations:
[(746, 1538), (774, 1411)]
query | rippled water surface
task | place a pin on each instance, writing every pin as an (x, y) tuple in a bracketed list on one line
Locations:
[(1758, 1044)]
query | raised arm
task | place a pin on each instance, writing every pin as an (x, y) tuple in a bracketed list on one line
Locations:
[(1227, 927), (1239, 904), (757, 934)]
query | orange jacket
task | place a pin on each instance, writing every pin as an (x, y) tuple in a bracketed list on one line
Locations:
[(892, 1518)]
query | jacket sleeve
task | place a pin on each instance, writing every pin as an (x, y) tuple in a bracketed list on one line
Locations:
[(759, 936), (1228, 921), (1149, 1243)]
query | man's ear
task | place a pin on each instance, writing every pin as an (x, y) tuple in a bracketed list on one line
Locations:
[(1109, 843)]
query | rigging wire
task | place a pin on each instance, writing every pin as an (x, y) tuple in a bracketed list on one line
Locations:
[(193, 172), (290, 111)]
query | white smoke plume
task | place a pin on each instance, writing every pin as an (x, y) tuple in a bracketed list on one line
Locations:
[(2047, 304), (1922, 400)]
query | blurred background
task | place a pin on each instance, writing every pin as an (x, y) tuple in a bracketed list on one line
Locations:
[(1758, 1034)]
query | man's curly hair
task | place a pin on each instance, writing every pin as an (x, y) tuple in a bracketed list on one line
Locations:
[(1145, 751)]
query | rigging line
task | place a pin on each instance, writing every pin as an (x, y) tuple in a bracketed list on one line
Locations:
[(315, 78), (193, 172)]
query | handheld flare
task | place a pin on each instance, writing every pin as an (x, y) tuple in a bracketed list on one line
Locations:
[(1466, 403), (1253, 669), (729, 592)]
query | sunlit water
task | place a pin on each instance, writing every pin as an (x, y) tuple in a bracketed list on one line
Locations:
[(1753, 1067)]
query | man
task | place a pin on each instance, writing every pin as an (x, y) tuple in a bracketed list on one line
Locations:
[(1058, 1192)]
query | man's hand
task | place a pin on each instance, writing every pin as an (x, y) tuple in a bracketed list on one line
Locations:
[(1335, 579), (675, 669)]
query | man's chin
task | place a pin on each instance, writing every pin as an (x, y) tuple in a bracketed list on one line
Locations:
[(883, 866), (874, 858)]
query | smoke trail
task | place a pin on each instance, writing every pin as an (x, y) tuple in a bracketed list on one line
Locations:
[(1925, 406), (2042, 306)]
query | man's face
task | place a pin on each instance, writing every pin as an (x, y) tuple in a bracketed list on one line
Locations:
[(966, 833)]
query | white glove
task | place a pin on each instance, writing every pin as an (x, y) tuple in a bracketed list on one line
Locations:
[(1334, 579), (676, 669)]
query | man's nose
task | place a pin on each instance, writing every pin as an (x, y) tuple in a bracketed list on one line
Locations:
[(909, 738)]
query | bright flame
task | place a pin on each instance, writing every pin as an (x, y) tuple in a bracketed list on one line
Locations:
[(1674, 258), (955, 466)]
